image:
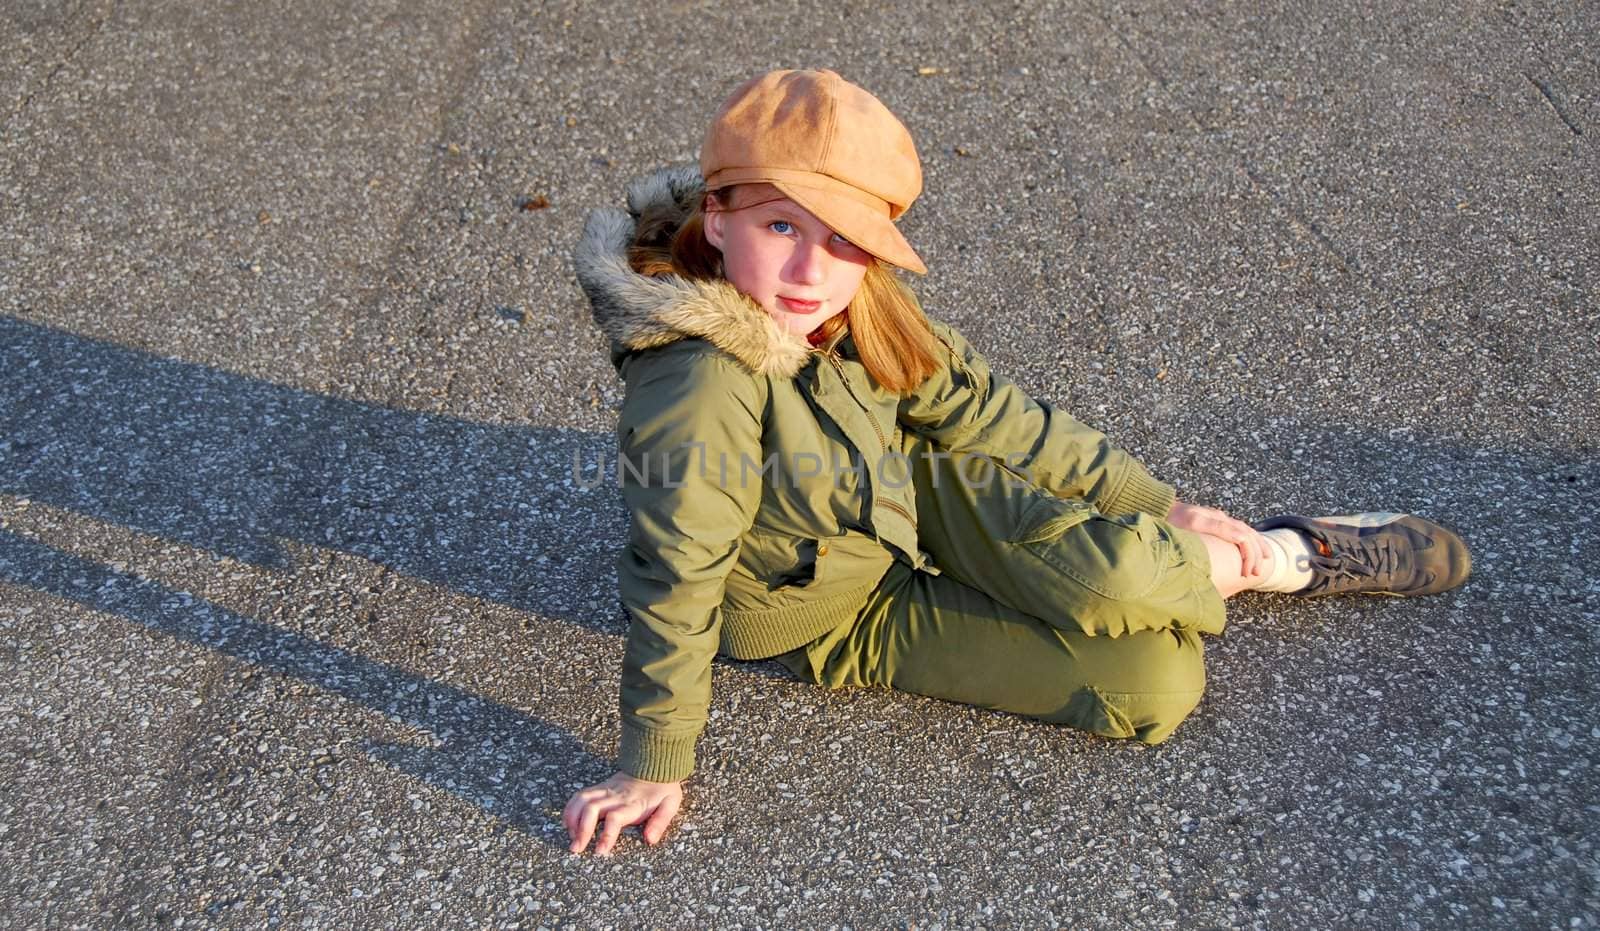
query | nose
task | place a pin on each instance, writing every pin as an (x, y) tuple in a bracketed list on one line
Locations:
[(809, 263)]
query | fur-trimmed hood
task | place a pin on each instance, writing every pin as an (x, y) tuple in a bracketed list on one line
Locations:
[(637, 312)]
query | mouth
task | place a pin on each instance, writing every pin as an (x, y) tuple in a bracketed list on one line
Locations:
[(796, 306)]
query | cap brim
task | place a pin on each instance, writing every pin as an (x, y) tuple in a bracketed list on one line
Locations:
[(864, 226)]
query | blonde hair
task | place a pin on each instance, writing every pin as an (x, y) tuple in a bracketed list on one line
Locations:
[(897, 347)]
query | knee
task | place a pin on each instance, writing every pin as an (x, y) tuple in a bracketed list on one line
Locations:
[(1170, 662), (1155, 717), (1151, 696), (1171, 686)]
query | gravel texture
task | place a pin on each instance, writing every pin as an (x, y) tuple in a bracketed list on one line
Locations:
[(304, 621)]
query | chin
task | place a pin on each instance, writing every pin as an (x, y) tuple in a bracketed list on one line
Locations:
[(796, 325), (801, 325)]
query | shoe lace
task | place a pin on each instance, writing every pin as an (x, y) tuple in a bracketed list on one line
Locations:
[(1343, 558)]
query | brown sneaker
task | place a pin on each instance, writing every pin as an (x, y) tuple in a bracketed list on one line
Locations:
[(1378, 553)]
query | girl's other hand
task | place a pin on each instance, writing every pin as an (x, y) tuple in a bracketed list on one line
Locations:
[(1254, 559), (621, 800)]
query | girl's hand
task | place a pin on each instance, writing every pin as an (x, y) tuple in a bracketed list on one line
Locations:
[(621, 800), (1254, 560)]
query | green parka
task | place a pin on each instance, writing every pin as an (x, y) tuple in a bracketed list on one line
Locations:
[(763, 476)]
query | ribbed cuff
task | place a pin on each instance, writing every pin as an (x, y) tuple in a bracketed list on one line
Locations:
[(1141, 492), (655, 757)]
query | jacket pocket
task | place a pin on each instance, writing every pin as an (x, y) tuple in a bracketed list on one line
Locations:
[(777, 569), (815, 558), (807, 568), (779, 561)]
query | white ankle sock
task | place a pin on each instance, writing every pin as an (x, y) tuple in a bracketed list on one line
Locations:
[(1291, 566)]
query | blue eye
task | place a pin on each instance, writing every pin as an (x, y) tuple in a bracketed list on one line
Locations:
[(780, 226)]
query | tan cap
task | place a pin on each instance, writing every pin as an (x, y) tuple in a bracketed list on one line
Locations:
[(829, 146)]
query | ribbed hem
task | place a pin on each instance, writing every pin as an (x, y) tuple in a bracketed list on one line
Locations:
[(655, 757), (1141, 492), (764, 634)]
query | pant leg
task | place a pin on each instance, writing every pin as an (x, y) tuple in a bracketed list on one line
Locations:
[(1057, 559), (937, 636)]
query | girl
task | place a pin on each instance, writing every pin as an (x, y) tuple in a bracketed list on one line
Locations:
[(819, 473)]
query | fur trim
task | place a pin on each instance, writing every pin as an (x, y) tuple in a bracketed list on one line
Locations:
[(639, 312)]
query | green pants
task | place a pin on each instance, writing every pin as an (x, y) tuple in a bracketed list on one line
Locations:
[(1041, 606)]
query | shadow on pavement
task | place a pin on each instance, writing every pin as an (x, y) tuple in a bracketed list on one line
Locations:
[(230, 464), (486, 753)]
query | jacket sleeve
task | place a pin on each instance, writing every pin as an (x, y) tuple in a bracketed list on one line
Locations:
[(965, 406), (687, 409)]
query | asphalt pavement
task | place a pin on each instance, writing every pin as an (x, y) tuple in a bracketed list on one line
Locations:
[(306, 619)]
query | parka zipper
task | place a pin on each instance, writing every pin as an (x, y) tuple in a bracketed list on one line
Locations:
[(902, 511), (847, 386), (882, 441)]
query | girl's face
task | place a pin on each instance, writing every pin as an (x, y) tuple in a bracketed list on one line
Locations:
[(785, 259)]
